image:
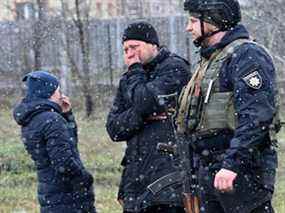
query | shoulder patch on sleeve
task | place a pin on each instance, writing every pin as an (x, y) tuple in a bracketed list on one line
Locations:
[(253, 80)]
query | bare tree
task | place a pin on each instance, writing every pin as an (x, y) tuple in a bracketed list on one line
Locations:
[(80, 17), (39, 33)]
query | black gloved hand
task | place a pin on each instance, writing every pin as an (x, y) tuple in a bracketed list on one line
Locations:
[(83, 181)]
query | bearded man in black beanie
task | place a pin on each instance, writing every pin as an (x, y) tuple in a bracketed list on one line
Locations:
[(49, 133), (140, 116)]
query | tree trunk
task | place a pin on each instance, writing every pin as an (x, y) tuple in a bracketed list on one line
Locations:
[(110, 55), (37, 44), (39, 33), (84, 46), (89, 105)]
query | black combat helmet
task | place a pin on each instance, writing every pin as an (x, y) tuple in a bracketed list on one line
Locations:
[(224, 14)]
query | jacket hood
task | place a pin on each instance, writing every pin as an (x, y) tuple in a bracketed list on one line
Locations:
[(27, 109)]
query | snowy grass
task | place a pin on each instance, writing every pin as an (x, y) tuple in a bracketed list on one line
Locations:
[(279, 201), (101, 157)]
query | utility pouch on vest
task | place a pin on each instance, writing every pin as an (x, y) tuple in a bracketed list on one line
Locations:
[(194, 112), (187, 116), (219, 113)]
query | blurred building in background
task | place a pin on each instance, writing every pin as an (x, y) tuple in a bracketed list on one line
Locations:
[(101, 9)]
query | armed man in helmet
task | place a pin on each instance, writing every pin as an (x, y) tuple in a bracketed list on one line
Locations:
[(228, 112)]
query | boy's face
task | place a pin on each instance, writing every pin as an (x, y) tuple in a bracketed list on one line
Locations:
[(57, 96)]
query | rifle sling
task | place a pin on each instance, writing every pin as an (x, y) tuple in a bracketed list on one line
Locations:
[(164, 182)]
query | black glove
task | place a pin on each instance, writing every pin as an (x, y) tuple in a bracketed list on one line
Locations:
[(83, 181)]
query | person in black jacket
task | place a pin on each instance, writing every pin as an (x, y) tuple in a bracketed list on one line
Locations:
[(49, 133), (233, 132), (147, 91)]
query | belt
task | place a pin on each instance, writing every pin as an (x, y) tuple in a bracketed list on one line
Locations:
[(209, 134), (202, 140), (158, 117)]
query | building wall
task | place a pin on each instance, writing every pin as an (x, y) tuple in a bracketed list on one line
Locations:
[(158, 8), (151, 8), (105, 9), (8, 9), (99, 8), (11, 9)]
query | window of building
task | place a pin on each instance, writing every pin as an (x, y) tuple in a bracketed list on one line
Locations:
[(99, 9), (111, 9), (25, 10)]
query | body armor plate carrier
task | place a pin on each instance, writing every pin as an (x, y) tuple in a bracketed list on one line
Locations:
[(203, 108)]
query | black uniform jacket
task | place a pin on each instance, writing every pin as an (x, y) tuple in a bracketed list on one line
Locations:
[(144, 95)]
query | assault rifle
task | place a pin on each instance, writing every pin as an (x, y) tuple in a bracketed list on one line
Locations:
[(188, 178), (186, 175)]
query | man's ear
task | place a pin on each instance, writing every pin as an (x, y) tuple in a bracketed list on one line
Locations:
[(211, 27), (155, 47)]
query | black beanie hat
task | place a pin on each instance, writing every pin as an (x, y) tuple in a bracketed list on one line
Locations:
[(141, 31), (40, 84)]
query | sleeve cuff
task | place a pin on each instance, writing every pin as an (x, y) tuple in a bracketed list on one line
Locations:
[(230, 165), (69, 117), (134, 68)]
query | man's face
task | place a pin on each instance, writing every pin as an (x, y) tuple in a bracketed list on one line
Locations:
[(194, 27), (135, 48)]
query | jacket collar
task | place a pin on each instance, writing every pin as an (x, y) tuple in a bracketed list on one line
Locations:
[(161, 56), (28, 108), (237, 32)]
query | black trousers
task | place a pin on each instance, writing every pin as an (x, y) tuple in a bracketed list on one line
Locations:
[(264, 208), (162, 209), (67, 209), (215, 207)]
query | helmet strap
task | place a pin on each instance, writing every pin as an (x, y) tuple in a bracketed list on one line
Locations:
[(202, 24), (198, 42)]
